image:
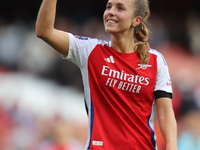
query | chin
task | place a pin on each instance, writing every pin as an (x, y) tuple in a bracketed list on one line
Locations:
[(110, 31)]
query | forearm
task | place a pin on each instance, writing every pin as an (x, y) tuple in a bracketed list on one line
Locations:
[(45, 30), (168, 129), (46, 18)]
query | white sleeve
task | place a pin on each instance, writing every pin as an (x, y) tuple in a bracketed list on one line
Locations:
[(163, 81), (80, 48)]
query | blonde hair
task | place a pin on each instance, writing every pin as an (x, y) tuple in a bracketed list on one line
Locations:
[(141, 33)]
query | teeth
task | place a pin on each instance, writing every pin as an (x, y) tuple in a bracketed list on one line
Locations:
[(111, 21)]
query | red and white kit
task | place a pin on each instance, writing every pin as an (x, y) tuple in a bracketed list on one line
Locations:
[(119, 94)]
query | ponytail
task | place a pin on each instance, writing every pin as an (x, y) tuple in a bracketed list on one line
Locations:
[(141, 33)]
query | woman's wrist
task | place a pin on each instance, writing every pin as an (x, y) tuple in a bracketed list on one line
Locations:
[(171, 148)]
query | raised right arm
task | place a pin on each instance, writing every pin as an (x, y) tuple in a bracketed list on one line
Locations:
[(45, 30)]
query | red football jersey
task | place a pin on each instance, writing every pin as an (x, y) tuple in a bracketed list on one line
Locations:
[(119, 94)]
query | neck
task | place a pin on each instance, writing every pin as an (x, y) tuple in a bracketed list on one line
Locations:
[(123, 44)]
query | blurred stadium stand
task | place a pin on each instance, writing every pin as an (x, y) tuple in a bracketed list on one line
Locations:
[(41, 96)]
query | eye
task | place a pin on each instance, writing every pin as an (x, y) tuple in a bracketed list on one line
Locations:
[(108, 7), (120, 8)]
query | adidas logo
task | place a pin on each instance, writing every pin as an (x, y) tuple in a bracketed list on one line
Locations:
[(110, 59)]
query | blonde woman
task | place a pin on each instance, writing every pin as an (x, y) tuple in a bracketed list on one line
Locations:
[(124, 80)]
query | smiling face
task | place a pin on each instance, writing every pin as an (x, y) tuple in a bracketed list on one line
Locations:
[(119, 16)]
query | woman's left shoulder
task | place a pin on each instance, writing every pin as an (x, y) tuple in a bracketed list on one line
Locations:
[(159, 56), (155, 52)]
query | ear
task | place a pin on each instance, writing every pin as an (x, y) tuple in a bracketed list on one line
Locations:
[(136, 21)]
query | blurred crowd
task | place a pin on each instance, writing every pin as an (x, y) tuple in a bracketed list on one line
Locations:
[(23, 54)]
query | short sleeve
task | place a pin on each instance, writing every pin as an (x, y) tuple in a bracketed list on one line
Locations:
[(80, 48), (163, 81)]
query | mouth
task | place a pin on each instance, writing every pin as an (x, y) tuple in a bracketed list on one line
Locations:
[(111, 21)]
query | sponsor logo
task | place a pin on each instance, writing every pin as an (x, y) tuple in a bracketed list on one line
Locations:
[(81, 37), (143, 66), (97, 143), (169, 82), (107, 71), (110, 59), (124, 81)]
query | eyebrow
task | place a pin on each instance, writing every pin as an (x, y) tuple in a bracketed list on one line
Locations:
[(118, 4)]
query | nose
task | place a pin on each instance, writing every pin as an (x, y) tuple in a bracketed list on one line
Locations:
[(111, 11)]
